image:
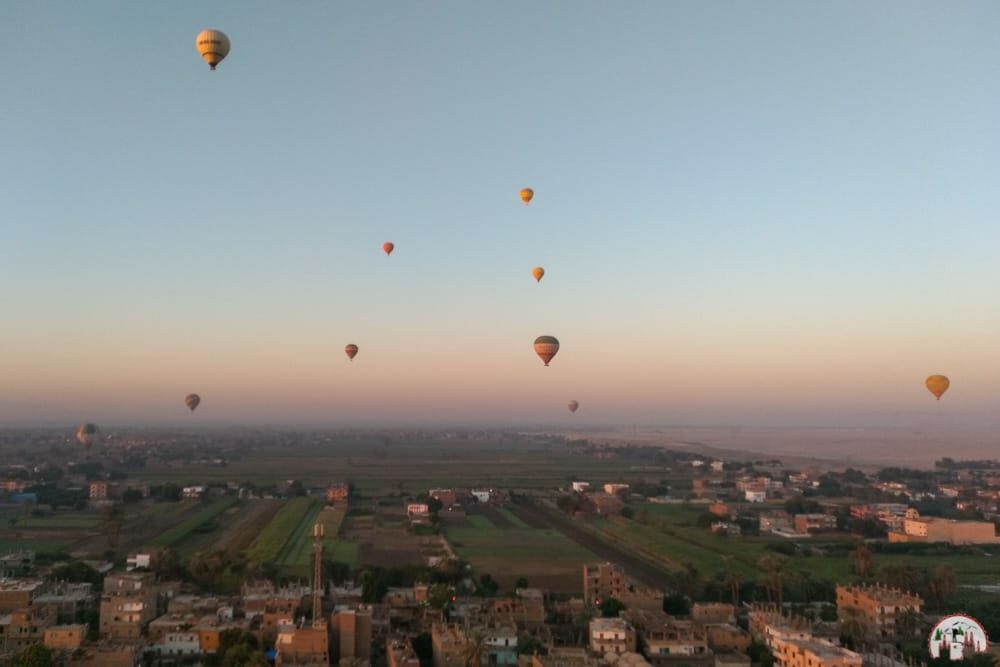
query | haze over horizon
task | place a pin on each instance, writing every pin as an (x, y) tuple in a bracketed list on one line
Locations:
[(776, 215)]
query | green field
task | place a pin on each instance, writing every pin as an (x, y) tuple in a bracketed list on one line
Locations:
[(175, 535), (38, 546), (75, 521), (513, 518), (279, 538)]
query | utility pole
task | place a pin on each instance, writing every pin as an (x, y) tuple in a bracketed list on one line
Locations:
[(317, 574)]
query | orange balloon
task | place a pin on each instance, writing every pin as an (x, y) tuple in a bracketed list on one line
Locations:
[(351, 350), (527, 194), (937, 385), (537, 273), (388, 247)]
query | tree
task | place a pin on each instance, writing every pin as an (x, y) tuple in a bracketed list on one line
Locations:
[(439, 595), (676, 605), (611, 607), (861, 559), (773, 567), (111, 526), (521, 583), (76, 572), (942, 584), (131, 496), (733, 580), (36, 655), (854, 626), (487, 586), (244, 655)]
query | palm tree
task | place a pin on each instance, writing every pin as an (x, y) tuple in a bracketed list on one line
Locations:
[(861, 558), (942, 584), (773, 566), (733, 579)]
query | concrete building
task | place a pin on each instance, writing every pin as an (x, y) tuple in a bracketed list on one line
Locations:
[(882, 606), (605, 504), (399, 653), (602, 581), (447, 497), (302, 647), (18, 593), (450, 645), (611, 635), (98, 490), (732, 659), (565, 656), (580, 487), (22, 627), (727, 638), (65, 637), (775, 522), (614, 489), (713, 612), (814, 523), (336, 494), (936, 529), (499, 643), (351, 634), (138, 561), (813, 653)]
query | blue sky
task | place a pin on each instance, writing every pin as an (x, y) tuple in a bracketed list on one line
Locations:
[(771, 211)]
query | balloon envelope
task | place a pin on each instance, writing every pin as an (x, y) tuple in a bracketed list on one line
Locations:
[(85, 433), (573, 405), (192, 401), (546, 348), (937, 385), (213, 45), (388, 247), (351, 350), (537, 273), (526, 195)]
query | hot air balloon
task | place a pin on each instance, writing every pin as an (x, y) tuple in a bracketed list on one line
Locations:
[(86, 433), (573, 405), (213, 45), (546, 348), (192, 401), (351, 350), (388, 247), (537, 273), (937, 385), (526, 195)]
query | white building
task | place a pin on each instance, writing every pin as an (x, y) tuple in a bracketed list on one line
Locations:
[(611, 635), (581, 486), (753, 496), (481, 496), (612, 489)]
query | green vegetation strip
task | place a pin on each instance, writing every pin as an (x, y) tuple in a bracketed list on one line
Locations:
[(272, 540), (171, 537)]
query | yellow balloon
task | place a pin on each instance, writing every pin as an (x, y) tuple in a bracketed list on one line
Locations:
[(526, 195), (937, 385), (538, 272), (213, 45)]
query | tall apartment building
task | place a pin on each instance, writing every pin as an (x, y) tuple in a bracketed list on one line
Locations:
[(602, 581), (881, 605)]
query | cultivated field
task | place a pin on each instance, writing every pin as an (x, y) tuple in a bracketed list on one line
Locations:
[(499, 543)]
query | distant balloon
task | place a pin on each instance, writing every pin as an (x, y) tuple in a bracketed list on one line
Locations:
[(937, 385), (86, 434), (573, 405), (388, 247), (192, 401), (351, 350), (213, 45), (526, 195), (537, 273), (546, 348)]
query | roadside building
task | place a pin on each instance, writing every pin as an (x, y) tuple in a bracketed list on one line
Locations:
[(336, 494), (399, 653), (713, 612), (98, 490), (605, 504), (351, 633), (580, 487), (22, 627), (611, 635), (18, 593), (302, 647), (613, 489)]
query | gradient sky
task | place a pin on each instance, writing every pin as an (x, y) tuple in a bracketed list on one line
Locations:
[(762, 213)]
